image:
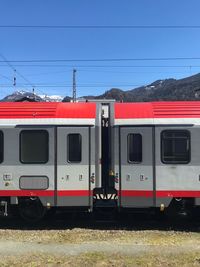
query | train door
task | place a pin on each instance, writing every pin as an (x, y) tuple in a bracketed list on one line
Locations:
[(136, 167), (73, 166)]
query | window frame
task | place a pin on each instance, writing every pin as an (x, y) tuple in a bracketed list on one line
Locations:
[(20, 148), (2, 135), (128, 158), (74, 162), (162, 149)]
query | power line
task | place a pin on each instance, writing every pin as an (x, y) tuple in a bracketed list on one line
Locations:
[(135, 72), (110, 71), (100, 27), (5, 77), (13, 68), (101, 60), (89, 85), (105, 66), (19, 74)]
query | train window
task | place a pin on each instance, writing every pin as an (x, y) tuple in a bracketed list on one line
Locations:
[(1, 146), (34, 146), (175, 147), (134, 148), (74, 144)]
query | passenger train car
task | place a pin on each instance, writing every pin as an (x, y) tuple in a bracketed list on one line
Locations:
[(81, 156)]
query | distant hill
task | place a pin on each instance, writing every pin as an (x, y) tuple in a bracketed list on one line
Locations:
[(20, 96), (169, 89), (165, 90)]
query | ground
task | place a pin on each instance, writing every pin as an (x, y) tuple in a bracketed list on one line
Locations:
[(137, 240)]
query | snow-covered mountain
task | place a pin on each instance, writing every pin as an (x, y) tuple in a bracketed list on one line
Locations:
[(51, 98), (22, 95)]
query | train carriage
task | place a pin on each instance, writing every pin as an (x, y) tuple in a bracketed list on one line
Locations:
[(158, 156), (85, 156), (47, 154)]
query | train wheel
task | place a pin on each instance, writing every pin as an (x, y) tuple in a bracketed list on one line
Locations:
[(31, 209)]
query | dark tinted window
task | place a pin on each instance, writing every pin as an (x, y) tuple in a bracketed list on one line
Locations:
[(1, 146), (34, 146), (175, 146), (74, 144), (135, 148)]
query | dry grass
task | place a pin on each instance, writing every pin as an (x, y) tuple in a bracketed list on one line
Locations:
[(77, 235), (160, 248), (103, 260)]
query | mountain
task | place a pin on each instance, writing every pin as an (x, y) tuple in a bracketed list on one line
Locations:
[(166, 90), (19, 96), (169, 89), (51, 98)]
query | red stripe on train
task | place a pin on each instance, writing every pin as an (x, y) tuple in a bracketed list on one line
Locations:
[(166, 193), (27, 193), (84, 193), (177, 193), (44, 193)]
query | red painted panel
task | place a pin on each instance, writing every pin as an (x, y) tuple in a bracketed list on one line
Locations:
[(26, 193), (181, 109), (178, 194), (133, 110), (82, 193), (45, 193), (159, 193), (47, 110)]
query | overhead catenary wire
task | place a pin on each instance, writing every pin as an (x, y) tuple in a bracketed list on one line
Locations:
[(104, 66), (6, 77), (14, 69), (19, 74), (102, 59), (109, 27), (110, 71), (86, 85)]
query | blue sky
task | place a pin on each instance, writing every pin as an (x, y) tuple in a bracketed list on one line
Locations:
[(96, 77)]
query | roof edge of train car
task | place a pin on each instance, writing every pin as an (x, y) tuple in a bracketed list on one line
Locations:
[(47, 113), (158, 113)]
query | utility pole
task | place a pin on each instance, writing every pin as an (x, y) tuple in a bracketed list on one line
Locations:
[(14, 79), (33, 90), (74, 86)]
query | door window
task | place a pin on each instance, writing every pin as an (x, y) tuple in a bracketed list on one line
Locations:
[(74, 148), (134, 148)]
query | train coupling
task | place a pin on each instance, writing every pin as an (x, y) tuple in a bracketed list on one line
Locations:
[(4, 208)]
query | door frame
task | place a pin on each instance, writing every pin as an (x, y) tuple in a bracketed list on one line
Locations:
[(153, 160), (88, 137)]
